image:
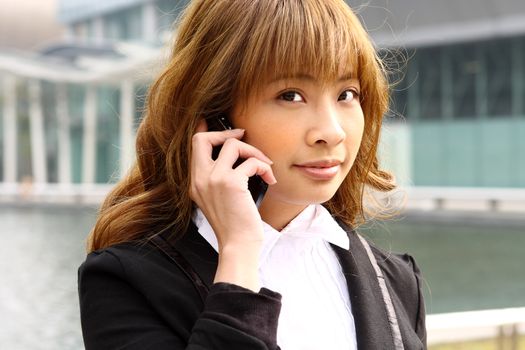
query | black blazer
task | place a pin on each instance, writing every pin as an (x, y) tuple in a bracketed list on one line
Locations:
[(132, 296)]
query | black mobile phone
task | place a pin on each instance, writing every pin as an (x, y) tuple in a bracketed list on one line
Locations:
[(219, 123), (256, 185)]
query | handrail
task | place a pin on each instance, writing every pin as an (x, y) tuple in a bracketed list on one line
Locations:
[(472, 325), (468, 193)]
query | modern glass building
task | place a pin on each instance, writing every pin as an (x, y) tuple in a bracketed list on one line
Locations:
[(144, 21), (458, 98), (464, 103), (68, 113)]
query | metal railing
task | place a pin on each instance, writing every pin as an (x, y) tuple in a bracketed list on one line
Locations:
[(497, 324)]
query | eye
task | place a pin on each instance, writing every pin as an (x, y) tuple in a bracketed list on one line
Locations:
[(291, 96), (349, 95)]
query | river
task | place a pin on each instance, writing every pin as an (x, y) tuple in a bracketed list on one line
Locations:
[(466, 265)]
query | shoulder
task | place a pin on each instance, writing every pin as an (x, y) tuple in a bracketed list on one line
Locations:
[(137, 288), (400, 271), (396, 265), (403, 277), (123, 258), (138, 266)]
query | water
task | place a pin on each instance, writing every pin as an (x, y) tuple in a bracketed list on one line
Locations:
[(40, 252), (466, 267)]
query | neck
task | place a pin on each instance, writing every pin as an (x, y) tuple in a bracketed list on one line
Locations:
[(277, 213)]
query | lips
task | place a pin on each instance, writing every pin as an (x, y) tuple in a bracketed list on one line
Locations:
[(320, 163), (320, 170)]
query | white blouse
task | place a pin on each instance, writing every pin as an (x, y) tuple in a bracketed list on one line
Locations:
[(299, 263)]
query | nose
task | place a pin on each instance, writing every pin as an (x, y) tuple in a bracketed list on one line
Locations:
[(326, 127)]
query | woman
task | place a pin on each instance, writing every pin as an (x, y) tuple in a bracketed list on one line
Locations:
[(191, 251)]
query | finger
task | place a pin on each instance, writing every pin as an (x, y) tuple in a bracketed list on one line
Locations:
[(234, 149), (203, 143), (254, 166), (216, 138)]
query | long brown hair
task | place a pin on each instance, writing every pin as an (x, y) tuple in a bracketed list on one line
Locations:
[(225, 51)]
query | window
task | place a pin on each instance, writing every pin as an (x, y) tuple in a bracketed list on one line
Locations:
[(498, 65), (124, 25), (48, 100), (24, 156), (429, 83), (396, 62), (75, 103), (108, 143), (466, 67), (167, 11), (2, 128), (141, 92), (518, 76)]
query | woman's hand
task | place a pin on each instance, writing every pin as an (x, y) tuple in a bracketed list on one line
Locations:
[(222, 194)]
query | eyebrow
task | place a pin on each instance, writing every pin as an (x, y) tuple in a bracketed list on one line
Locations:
[(308, 77)]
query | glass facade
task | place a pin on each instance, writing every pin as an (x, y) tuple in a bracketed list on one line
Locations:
[(108, 140), (465, 106), (464, 103), (498, 72), (76, 95), (141, 91), (487, 153), (2, 128), (124, 25), (518, 77), (473, 80), (24, 171), (467, 68), (430, 77), (107, 143), (48, 103), (167, 12)]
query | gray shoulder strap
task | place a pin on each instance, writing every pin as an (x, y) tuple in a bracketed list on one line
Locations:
[(392, 317)]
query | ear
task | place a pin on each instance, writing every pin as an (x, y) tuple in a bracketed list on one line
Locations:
[(202, 126)]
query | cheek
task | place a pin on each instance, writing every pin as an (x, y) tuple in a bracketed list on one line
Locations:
[(357, 138), (354, 134), (271, 141)]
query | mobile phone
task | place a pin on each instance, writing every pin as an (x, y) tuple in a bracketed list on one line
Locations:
[(219, 123), (256, 185)]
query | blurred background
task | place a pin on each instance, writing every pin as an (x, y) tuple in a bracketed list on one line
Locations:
[(73, 77)]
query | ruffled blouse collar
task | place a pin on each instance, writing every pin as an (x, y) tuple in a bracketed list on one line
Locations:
[(313, 224)]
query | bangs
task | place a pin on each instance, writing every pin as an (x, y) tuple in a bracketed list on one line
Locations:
[(297, 37)]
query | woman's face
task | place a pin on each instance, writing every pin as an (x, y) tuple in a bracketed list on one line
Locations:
[(311, 132)]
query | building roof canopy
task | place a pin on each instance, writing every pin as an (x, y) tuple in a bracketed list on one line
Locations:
[(428, 22), (71, 11)]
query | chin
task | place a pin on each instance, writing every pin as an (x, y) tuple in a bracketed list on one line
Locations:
[(322, 199), (322, 194)]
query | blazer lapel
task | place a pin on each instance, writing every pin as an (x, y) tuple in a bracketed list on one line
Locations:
[(368, 308), (198, 252)]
